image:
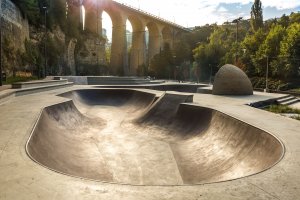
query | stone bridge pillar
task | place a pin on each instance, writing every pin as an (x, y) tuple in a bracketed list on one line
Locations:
[(138, 50), (160, 32), (118, 59), (168, 36), (99, 23), (154, 45)]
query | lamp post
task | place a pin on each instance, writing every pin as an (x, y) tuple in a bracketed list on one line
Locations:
[(176, 67), (45, 42), (1, 48), (210, 83), (267, 74), (237, 21)]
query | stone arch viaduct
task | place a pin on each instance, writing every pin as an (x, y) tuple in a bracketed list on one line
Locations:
[(160, 32)]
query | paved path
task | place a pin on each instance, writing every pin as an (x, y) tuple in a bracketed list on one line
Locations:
[(295, 105), (5, 87)]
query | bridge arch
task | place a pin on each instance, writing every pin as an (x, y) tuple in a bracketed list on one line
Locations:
[(154, 44), (178, 36), (137, 53), (168, 36), (160, 32), (118, 57)]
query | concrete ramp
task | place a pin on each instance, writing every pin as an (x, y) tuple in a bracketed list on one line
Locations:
[(131, 137)]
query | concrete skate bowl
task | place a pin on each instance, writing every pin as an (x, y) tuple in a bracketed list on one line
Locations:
[(131, 137), (190, 88)]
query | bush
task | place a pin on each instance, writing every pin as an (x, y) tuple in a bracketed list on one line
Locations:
[(282, 109), (273, 84), (92, 70), (11, 80)]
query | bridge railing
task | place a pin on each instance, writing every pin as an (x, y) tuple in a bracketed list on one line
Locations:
[(150, 14)]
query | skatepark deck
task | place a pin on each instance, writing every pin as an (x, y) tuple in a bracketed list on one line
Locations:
[(21, 178), (131, 137)]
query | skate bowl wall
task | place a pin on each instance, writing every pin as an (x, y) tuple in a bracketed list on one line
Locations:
[(131, 137)]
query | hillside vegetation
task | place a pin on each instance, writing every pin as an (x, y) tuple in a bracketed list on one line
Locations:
[(197, 55)]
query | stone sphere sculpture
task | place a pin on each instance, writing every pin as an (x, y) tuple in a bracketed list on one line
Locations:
[(231, 80)]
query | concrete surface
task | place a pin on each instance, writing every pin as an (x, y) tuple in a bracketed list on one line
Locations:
[(168, 86), (125, 136), (5, 87), (231, 80), (38, 83), (106, 80), (21, 178), (295, 105)]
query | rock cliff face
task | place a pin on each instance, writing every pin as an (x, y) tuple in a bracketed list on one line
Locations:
[(70, 56), (13, 24), (85, 57), (67, 54), (14, 30), (90, 55)]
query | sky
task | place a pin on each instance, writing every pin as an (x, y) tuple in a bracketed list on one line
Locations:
[(190, 13), (200, 12)]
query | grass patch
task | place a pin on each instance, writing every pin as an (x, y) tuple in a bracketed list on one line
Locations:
[(296, 117), (11, 80), (285, 110), (282, 109), (297, 90)]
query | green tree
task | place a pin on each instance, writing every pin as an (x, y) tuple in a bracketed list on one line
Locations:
[(199, 35), (290, 51), (202, 58), (73, 24), (161, 64), (31, 10), (181, 52), (295, 17), (284, 20), (57, 14), (209, 56), (256, 15), (250, 45), (30, 56), (10, 55), (269, 48)]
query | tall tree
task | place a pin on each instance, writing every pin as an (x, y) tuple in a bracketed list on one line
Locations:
[(270, 48), (30, 9), (57, 13), (256, 15), (161, 64), (295, 17), (284, 20), (251, 45), (290, 51), (209, 56)]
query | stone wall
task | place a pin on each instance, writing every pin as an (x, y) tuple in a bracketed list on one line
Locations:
[(13, 23), (70, 56), (91, 56), (88, 59)]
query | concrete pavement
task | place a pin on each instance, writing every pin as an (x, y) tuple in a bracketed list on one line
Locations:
[(5, 87), (21, 178)]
